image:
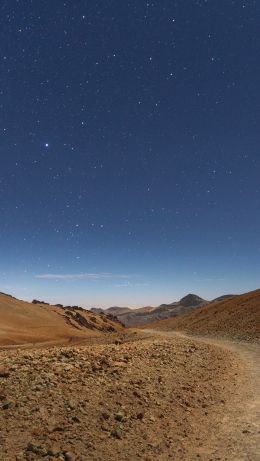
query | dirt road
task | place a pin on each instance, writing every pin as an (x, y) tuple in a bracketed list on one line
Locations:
[(238, 434)]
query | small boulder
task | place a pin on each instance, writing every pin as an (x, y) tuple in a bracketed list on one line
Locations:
[(4, 373), (116, 433)]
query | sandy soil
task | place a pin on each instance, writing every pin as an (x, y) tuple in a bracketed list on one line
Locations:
[(159, 396)]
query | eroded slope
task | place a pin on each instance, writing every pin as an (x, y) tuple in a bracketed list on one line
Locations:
[(22, 322)]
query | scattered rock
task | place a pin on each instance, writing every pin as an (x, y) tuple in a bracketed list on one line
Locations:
[(69, 456), (117, 433), (118, 342), (6, 405), (105, 415), (4, 373)]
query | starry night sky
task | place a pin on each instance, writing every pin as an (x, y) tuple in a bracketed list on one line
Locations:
[(129, 149)]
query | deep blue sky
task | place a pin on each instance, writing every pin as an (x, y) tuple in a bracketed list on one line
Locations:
[(129, 149)]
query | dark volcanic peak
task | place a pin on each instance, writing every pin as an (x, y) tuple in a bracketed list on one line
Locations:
[(191, 300)]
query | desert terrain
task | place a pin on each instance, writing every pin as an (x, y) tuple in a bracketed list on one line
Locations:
[(153, 394)]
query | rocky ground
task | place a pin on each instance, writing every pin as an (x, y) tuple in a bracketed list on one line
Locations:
[(139, 397)]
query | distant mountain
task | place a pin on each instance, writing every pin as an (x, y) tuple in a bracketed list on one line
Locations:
[(191, 300), (229, 316), (118, 310), (96, 310), (115, 310), (137, 317), (148, 314)]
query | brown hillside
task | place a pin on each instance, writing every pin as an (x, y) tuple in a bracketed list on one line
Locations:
[(22, 322), (237, 317)]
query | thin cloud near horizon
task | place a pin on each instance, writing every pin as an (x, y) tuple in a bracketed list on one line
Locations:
[(82, 276), (131, 285)]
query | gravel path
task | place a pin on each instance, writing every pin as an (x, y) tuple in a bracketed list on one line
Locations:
[(240, 427), (237, 435)]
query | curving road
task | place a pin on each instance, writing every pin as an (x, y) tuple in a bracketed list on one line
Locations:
[(237, 437)]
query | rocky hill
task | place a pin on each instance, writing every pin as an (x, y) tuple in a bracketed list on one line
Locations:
[(232, 316), (22, 322)]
